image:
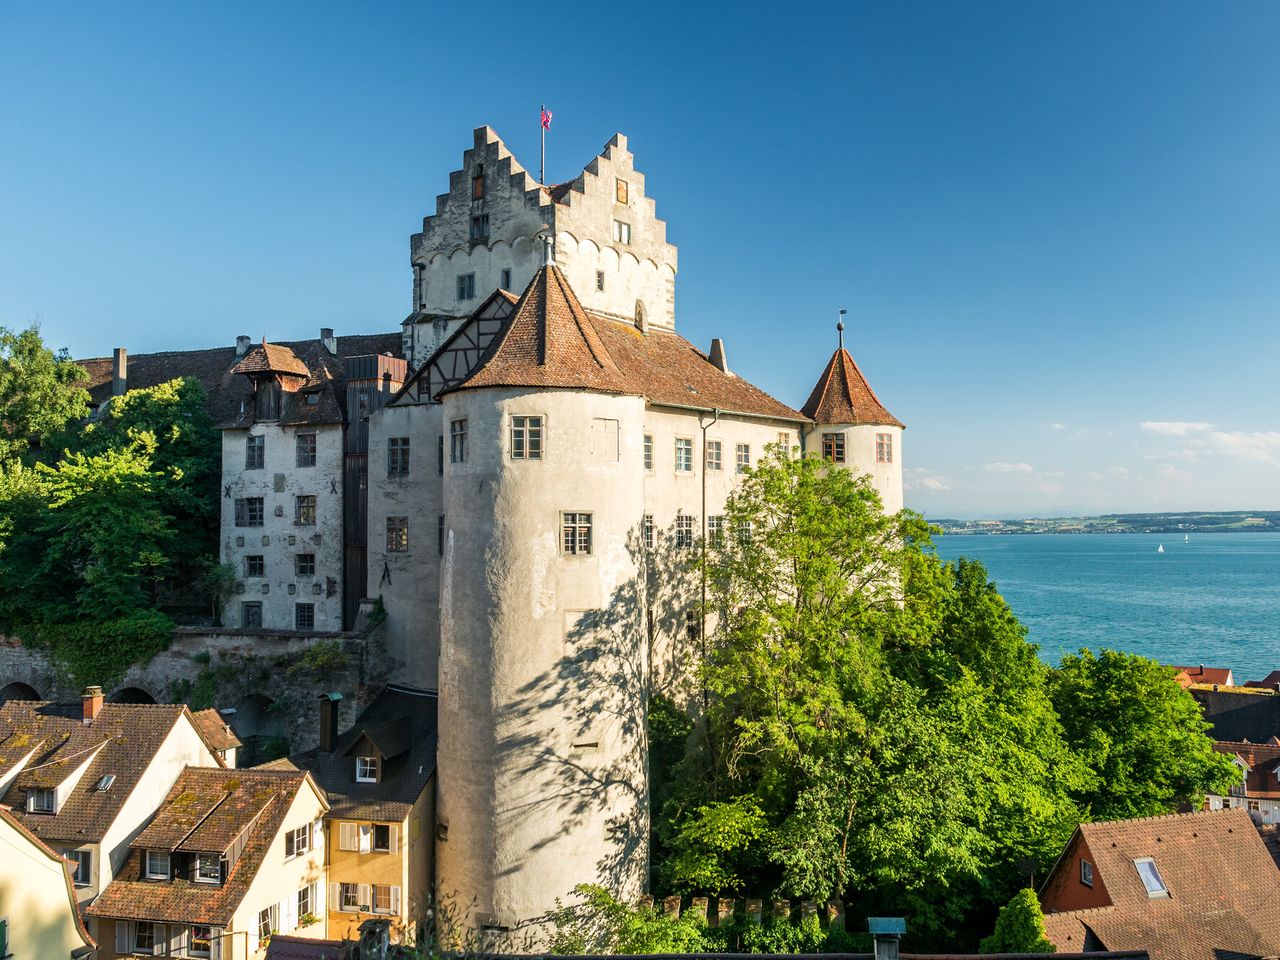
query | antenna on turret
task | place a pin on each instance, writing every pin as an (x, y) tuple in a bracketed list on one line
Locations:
[(840, 327)]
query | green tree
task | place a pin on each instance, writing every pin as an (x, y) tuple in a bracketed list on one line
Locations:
[(601, 924), (40, 391), (1019, 928), (1142, 735)]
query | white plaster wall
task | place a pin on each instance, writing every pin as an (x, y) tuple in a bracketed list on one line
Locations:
[(860, 457), (529, 816), (279, 539), (628, 279), (408, 583), (33, 898)]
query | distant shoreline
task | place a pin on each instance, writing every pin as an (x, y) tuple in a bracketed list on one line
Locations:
[(1256, 521)]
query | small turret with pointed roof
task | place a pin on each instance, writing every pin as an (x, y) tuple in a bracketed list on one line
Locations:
[(842, 394)]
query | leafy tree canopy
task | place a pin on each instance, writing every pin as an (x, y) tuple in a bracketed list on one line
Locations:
[(40, 391)]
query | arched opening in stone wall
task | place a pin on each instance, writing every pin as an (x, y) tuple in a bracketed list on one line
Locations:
[(260, 725), (131, 695), (17, 690)]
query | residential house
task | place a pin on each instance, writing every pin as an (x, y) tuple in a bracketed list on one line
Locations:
[(1270, 682), (1259, 789), (86, 777), (219, 735), (1220, 676), (230, 858), (379, 780), (39, 917), (1194, 886)]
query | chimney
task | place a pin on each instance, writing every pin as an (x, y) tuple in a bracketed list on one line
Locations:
[(717, 355), (329, 703), (242, 345), (119, 371), (329, 340), (91, 702)]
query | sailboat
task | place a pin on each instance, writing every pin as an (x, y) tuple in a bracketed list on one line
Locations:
[(1160, 549), (1186, 538)]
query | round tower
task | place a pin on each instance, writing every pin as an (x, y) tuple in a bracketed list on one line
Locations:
[(852, 427)]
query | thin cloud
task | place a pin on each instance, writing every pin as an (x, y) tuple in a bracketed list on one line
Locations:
[(1001, 467), (1174, 428), (919, 478)]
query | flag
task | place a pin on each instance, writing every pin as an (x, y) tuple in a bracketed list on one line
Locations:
[(546, 119)]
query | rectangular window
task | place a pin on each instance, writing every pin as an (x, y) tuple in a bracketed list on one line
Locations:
[(600, 280), (255, 566), (647, 530), (304, 616), (397, 456), (266, 923), (304, 900), (304, 564), (744, 457), (648, 451), (40, 800), (208, 868), (366, 769), (251, 615), (458, 441), (1086, 873), (1151, 877), (480, 227), (692, 625), (157, 865), (743, 531), (349, 895), (466, 286), (884, 448), (715, 459), (144, 937), (1254, 805), (255, 452), (526, 438), (200, 941), (575, 531), (306, 448), (348, 836), (304, 510), (397, 534), (297, 842), (684, 531), (477, 186), (83, 859), (784, 444), (382, 838), (715, 529), (381, 898), (249, 512), (440, 455), (506, 280), (621, 232), (684, 455), (833, 447), (605, 440), (622, 190), (440, 535)]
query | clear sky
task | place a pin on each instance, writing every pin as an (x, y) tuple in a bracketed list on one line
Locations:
[(1056, 226)]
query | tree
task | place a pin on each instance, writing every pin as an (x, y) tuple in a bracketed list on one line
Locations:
[(40, 391), (1141, 734), (1019, 928)]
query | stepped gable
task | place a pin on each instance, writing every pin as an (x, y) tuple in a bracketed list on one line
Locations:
[(843, 395)]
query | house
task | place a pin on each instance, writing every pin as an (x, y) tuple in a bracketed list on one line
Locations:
[(1194, 886), (86, 777), (1270, 682), (1187, 676), (379, 780), (218, 734), (39, 916), (1258, 793), (230, 858)]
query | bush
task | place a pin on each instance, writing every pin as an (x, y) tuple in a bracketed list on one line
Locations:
[(101, 651), (1019, 928)]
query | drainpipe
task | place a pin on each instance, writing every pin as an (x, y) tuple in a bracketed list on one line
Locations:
[(703, 633)]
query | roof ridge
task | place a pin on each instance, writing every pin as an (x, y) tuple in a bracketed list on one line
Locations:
[(1160, 816)]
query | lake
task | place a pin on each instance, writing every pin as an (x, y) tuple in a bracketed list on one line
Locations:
[(1214, 600)]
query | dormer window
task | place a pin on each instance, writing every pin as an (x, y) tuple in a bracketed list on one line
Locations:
[(1151, 878), (366, 769), (311, 399), (157, 865), (208, 868), (40, 800)]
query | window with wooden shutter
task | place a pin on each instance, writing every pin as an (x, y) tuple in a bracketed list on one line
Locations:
[(347, 837), (366, 841)]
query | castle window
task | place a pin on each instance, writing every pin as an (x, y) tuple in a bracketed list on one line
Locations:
[(684, 531), (884, 448), (397, 534), (692, 625), (575, 533), (480, 228), (397, 456), (477, 184), (440, 535), (833, 447), (306, 449), (621, 232), (466, 286), (458, 441), (648, 451), (506, 279), (255, 452), (715, 460), (1086, 873), (248, 511), (157, 865), (622, 189), (599, 279), (684, 455), (304, 616), (304, 564), (744, 457), (255, 566), (366, 770), (526, 438), (304, 510), (251, 615), (646, 527), (440, 455), (715, 529)]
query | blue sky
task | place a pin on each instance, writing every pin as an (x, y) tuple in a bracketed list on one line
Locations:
[(1056, 226)]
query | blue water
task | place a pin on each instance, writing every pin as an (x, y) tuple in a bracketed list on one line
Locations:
[(1215, 600)]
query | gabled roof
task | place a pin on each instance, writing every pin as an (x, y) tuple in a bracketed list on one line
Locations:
[(1202, 674), (1223, 886), (7, 817), (1261, 761), (217, 733), (122, 740), (255, 801), (208, 809), (389, 740), (272, 358), (1270, 681), (842, 395)]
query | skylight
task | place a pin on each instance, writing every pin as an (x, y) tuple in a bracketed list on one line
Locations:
[(106, 782), (1150, 877)]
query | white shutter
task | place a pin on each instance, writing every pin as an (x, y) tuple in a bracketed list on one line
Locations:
[(395, 900), (365, 896), (366, 838), (393, 841), (177, 940), (289, 914), (124, 936), (335, 897), (159, 940), (215, 943), (347, 836), (317, 836)]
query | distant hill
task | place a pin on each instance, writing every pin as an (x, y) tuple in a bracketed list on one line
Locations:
[(1244, 521)]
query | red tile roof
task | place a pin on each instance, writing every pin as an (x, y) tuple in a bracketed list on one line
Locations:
[(1202, 674), (842, 395), (215, 730), (6, 814), (1223, 885), (272, 358), (1263, 760), (1270, 681)]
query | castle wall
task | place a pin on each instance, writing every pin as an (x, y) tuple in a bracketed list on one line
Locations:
[(279, 540), (860, 457)]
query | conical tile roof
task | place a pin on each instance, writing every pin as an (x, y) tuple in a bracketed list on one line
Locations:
[(844, 396)]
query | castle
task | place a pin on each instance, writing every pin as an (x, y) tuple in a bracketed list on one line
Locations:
[(514, 478)]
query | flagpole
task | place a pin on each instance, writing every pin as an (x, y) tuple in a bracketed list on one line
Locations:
[(542, 156)]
